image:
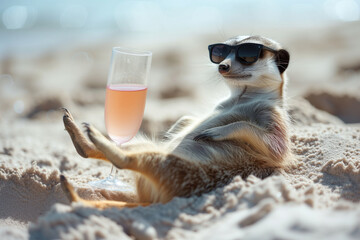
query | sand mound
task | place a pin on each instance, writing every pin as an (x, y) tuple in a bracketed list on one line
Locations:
[(44, 106), (303, 113), (343, 106), (31, 189)]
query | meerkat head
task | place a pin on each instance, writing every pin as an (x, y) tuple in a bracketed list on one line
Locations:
[(250, 61)]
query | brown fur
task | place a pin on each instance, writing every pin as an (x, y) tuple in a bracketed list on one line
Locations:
[(246, 134)]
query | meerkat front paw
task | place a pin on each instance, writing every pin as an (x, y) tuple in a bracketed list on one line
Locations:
[(209, 135)]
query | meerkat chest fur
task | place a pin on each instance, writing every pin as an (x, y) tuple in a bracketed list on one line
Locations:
[(239, 129)]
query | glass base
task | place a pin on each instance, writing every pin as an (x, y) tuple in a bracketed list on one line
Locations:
[(120, 139), (112, 184)]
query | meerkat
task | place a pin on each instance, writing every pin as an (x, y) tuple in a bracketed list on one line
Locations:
[(245, 134)]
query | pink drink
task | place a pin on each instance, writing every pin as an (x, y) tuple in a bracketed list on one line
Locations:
[(124, 110)]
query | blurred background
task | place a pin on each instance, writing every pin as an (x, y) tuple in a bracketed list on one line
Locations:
[(57, 53)]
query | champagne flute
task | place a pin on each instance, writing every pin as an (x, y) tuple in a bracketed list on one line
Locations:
[(125, 102)]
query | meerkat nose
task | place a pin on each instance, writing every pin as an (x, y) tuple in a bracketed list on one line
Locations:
[(224, 68)]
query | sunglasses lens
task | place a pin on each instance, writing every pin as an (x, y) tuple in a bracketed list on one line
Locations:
[(219, 53), (249, 53)]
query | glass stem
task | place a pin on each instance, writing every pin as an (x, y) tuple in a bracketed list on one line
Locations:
[(113, 172)]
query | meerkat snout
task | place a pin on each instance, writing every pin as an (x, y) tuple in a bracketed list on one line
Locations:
[(224, 67), (231, 68)]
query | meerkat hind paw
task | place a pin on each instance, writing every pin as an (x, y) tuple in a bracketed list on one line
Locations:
[(67, 113), (68, 120), (96, 136)]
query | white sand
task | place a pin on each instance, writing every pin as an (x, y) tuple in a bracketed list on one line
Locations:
[(317, 199)]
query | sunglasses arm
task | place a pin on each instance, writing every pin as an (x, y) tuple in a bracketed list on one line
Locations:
[(270, 49)]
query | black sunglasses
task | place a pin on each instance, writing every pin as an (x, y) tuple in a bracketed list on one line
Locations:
[(246, 53)]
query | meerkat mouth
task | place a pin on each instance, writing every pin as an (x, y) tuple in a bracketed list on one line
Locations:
[(238, 76)]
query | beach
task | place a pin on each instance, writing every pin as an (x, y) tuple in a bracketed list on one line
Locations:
[(317, 198)]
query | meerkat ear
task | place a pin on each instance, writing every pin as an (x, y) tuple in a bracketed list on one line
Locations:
[(282, 60)]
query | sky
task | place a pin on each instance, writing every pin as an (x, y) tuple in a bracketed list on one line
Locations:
[(168, 15)]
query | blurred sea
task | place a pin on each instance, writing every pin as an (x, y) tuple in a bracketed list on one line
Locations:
[(31, 27)]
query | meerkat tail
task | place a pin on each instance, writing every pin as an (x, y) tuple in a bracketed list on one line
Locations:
[(68, 190), (117, 204), (74, 197)]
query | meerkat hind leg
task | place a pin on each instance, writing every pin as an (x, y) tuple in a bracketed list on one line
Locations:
[(102, 204), (83, 146), (109, 149)]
